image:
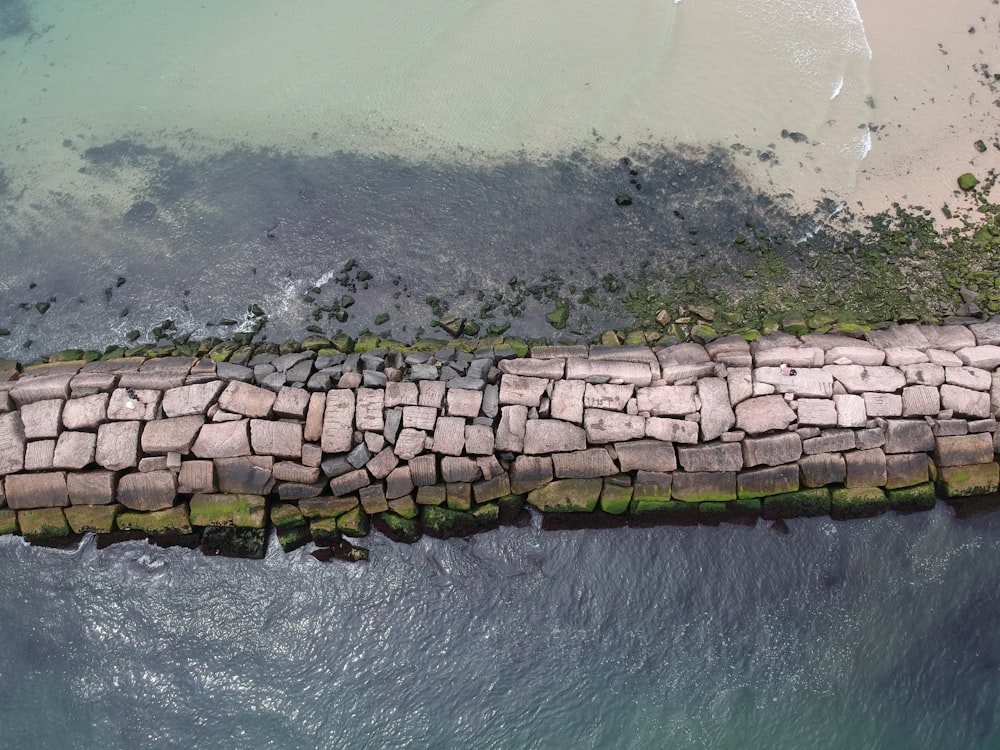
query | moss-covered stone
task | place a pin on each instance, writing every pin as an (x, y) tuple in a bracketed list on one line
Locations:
[(567, 496), (811, 502), (487, 515), (510, 509), (293, 536), (353, 523), (857, 502), (326, 507), (558, 317), (744, 510), (230, 541), (92, 519), (286, 515), (713, 513), (8, 522), (397, 528), (170, 522), (43, 524), (656, 512), (918, 497), (324, 531), (967, 181), (443, 523), (615, 497), (968, 481), (243, 511)]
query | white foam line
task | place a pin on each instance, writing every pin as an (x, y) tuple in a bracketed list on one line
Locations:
[(837, 88)]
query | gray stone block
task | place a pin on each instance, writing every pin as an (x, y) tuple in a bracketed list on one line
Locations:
[(148, 491), (772, 450), (711, 457)]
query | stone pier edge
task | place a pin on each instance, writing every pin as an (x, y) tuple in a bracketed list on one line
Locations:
[(324, 444)]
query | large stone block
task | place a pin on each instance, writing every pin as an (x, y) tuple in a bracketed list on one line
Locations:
[(810, 502), (423, 470), (338, 422), (793, 356), (534, 368), (601, 371), (921, 400), (711, 457), (857, 502), (529, 473), (510, 431), (821, 469), (860, 379), (807, 383), (740, 382), (850, 410), (521, 390), (854, 355), (139, 404), (43, 524), (668, 400), (368, 409), (92, 519), (463, 402), (398, 485), (41, 490), (280, 439), (567, 496), (85, 413), (883, 404), (968, 481), (772, 450), (646, 455), (39, 455), (865, 468), (963, 450), (906, 469), (604, 426), (460, 469), (12, 443), (595, 462), (350, 482), (244, 475), (291, 403), (41, 419), (91, 487), (986, 357), (672, 430), (246, 399), (763, 413), (703, 486), (118, 445), (968, 377), (491, 489), (567, 400), (191, 399), (449, 436), (27, 390), (773, 480), (196, 476), (821, 412), (906, 336), (315, 412), (908, 436), (147, 491), (172, 435), (552, 436), (610, 396), (218, 440), (400, 394), (717, 414), (410, 443), (74, 450), (964, 401)]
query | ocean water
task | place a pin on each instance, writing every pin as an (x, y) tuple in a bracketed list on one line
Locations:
[(194, 148), (875, 634), (214, 155)]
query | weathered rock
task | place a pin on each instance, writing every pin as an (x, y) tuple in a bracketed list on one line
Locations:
[(373, 499), (865, 468), (91, 487), (710, 457), (410, 443), (39, 455), (687, 372), (246, 399), (280, 439), (821, 412), (740, 382), (945, 359), (449, 436), (809, 502), (459, 469), (521, 390), (552, 436), (821, 469), (968, 481), (153, 490), (859, 379), (772, 450), (12, 443), (172, 435), (854, 355), (908, 436), (27, 390), (478, 440), (850, 410), (921, 400), (338, 422), (703, 486), (646, 455), (118, 445), (986, 357), (902, 357), (963, 450), (857, 502), (191, 399), (195, 476), (808, 383), (763, 413), (382, 463), (909, 499), (567, 400), (586, 464), (431, 393), (567, 496), (92, 519), (352, 481), (616, 495), (637, 373), (244, 475), (672, 430), (604, 426), (610, 396), (774, 480), (85, 413), (717, 414), (315, 412), (401, 394), (906, 336), (74, 450), (965, 401), (239, 511), (43, 525), (551, 369), (668, 400), (464, 403), (215, 440), (511, 429), (41, 419), (40, 490), (398, 484), (491, 489), (906, 470), (529, 473), (968, 377), (883, 404), (368, 409), (140, 404), (327, 507)]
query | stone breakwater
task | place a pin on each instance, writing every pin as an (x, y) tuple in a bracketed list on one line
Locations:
[(323, 445)]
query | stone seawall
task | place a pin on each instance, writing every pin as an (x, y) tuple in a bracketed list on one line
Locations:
[(323, 444)]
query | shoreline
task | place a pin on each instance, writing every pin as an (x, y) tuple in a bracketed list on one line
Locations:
[(324, 445)]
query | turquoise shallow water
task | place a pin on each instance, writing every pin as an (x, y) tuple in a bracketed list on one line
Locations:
[(874, 634)]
